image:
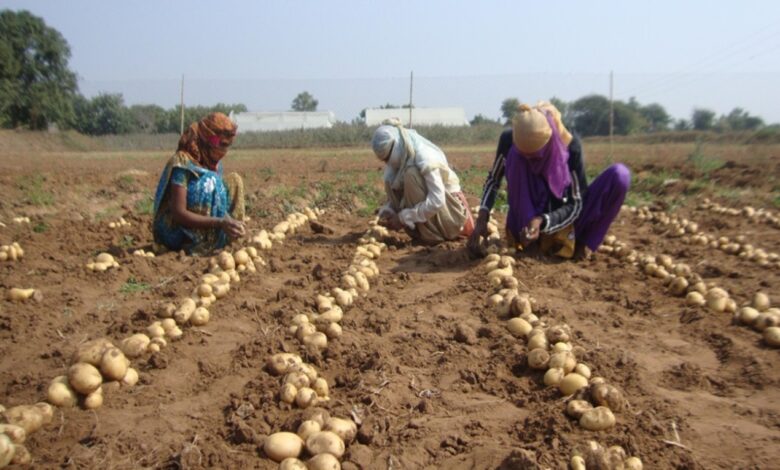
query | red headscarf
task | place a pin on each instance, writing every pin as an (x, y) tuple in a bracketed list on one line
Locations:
[(207, 140)]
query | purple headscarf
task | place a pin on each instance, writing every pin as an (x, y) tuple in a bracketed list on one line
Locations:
[(531, 180)]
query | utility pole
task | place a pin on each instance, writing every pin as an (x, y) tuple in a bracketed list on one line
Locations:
[(411, 87), (611, 114), (182, 106)]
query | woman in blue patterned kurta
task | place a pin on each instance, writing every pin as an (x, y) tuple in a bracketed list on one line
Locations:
[(196, 209)]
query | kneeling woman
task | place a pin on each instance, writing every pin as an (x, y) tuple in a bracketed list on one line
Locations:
[(549, 197), (423, 193), (196, 209)]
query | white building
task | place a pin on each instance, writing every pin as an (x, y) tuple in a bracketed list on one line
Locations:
[(420, 116), (282, 121)]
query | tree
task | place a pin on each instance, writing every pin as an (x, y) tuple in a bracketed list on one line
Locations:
[(36, 86), (145, 117), (740, 120), (682, 125), (590, 115), (656, 117), (702, 119), (304, 102), (103, 114), (509, 108), (480, 119)]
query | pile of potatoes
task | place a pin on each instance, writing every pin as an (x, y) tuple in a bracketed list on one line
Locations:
[(301, 384), (143, 254), (12, 252), (756, 215), (102, 262), (119, 223), (18, 294), (21, 220), (689, 234), (265, 239), (596, 457), (16, 424), (322, 438), (94, 365), (762, 317)]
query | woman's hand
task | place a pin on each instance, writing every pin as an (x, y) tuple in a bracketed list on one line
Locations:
[(531, 231), (233, 228), (480, 230)]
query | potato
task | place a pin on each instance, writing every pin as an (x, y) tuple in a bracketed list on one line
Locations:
[(772, 336), (561, 347), (305, 330), (597, 419), (553, 376), (323, 462), (518, 327), (747, 315), (21, 455), (281, 363), (325, 442), (130, 378), (334, 314), (241, 257), (320, 387), (346, 429), (571, 383), (226, 261), (633, 463), (558, 334), (521, 305), (362, 281), (305, 397), (716, 299), (537, 342), (731, 306), (575, 408), (204, 290), (538, 359), (282, 445), (17, 434), (291, 463), (319, 340), (94, 400), (607, 395), (30, 417), (7, 450), (343, 298), (695, 299), (166, 310), (114, 364), (583, 370), (297, 378), (760, 301), (174, 333), (577, 463), (288, 393), (766, 319), (184, 312), (104, 258), (307, 428), (200, 316), (16, 294), (333, 331), (135, 345), (324, 303), (678, 286), (84, 378), (91, 352), (307, 369), (563, 360)]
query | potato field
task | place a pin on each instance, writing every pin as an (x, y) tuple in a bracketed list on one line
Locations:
[(322, 341)]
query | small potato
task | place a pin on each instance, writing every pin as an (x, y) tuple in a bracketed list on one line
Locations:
[(575, 408), (325, 442), (577, 463), (307, 428), (174, 333), (333, 331), (281, 363), (297, 378), (21, 456), (304, 330), (226, 261), (695, 299), (291, 463), (130, 378), (323, 462), (84, 378), (282, 445), (760, 301), (717, 299), (104, 258), (571, 383), (288, 393), (597, 419), (28, 417), (538, 359), (558, 334), (561, 347), (747, 315), (538, 342), (320, 387), (318, 340), (94, 400), (204, 290), (346, 429), (633, 463), (583, 370), (135, 345), (335, 314), (553, 376), (678, 286), (91, 352), (518, 327), (242, 258), (772, 336), (16, 294), (166, 310), (7, 450), (607, 395), (17, 434), (305, 397), (114, 364), (563, 360), (200, 316)]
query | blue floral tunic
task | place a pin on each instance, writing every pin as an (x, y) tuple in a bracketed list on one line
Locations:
[(207, 195)]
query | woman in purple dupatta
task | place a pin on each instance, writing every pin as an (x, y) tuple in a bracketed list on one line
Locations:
[(549, 198)]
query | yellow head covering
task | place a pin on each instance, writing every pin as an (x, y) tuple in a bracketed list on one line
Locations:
[(530, 129)]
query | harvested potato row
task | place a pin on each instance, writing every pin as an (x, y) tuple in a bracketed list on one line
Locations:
[(143, 254), (755, 215), (121, 222), (595, 456), (322, 438), (21, 421), (12, 252), (21, 220), (689, 233), (102, 262), (17, 294)]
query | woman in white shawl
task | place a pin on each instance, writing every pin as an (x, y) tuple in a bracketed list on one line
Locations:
[(423, 193)]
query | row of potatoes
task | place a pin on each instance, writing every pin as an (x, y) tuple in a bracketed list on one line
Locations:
[(689, 234), (680, 280), (595, 456), (756, 215), (99, 365), (264, 239), (12, 252), (119, 223), (591, 401), (323, 438)]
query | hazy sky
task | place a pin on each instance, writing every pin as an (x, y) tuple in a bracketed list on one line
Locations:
[(350, 55)]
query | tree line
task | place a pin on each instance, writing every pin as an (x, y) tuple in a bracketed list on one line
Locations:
[(38, 90)]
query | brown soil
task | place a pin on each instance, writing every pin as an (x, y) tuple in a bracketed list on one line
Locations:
[(434, 375)]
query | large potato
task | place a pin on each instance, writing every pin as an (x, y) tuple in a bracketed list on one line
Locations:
[(61, 394), (571, 383), (114, 364), (346, 429), (597, 419), (135, 345), (91, 352), (325, 442), (282, 445), (84, 378), (323, 462)]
